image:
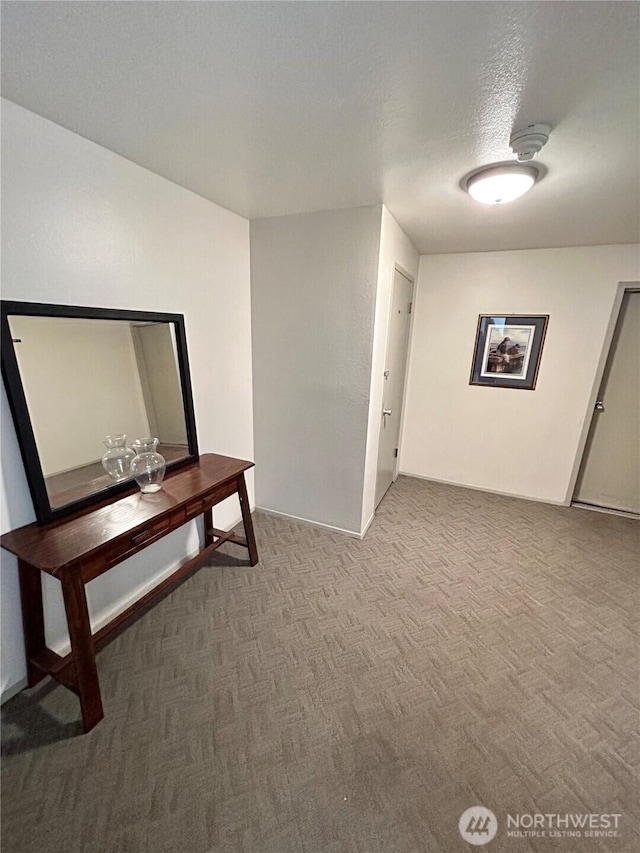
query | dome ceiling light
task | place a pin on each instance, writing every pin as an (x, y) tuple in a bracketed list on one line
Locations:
[(499, 183)]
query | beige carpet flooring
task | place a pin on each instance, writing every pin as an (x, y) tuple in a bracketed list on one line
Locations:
[(353, 695)]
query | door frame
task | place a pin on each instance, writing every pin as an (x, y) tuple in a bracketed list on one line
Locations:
[(623, 288), (412, 280)]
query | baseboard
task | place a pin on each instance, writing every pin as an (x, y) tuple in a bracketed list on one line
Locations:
[(367, 525), (310, 523), (106, 616), (482, 489), (13, 690), (621, 513)]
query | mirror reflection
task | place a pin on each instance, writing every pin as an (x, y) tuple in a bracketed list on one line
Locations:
[(87, 381)]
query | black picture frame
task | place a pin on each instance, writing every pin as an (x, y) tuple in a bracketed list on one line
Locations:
[(508, 349), (45, 513)]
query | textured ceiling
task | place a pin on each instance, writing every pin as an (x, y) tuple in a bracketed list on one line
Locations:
[(272, 108)]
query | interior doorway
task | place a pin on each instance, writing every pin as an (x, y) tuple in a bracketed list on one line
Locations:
[(609, 476), (394, 381)]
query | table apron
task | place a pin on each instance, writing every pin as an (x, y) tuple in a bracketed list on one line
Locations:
[(132, 543)]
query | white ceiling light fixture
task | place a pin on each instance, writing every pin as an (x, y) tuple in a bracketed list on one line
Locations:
[(500, 183)]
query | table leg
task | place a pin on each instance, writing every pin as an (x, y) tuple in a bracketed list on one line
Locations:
[(82, 649), (32, 618), (247, 520), (208, 527)]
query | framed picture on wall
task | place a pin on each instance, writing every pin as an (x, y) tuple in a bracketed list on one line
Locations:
[(508, 350)]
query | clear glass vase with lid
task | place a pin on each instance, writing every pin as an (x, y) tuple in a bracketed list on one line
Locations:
[(148, 466)]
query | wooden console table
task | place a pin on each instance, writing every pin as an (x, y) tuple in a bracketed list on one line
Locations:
[(80, 548)]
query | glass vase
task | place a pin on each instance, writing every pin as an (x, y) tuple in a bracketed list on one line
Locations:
[(117, 460), (147, 466)]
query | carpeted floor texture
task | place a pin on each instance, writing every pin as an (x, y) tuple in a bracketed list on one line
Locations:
[(359, 696)]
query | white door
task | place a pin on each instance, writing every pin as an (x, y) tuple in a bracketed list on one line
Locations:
[(395, 368), (610, 474)]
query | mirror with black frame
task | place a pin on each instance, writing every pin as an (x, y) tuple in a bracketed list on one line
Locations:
[(77, 380)]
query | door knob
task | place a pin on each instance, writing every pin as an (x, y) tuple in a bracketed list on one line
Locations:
[(599, 406), (387, 412)]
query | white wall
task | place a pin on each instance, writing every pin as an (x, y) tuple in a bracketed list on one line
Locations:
[(313, 280), (395, 248), (513, 441), (83, 226)]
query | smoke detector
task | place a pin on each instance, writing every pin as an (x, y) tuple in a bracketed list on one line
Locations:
[(527, 142)]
